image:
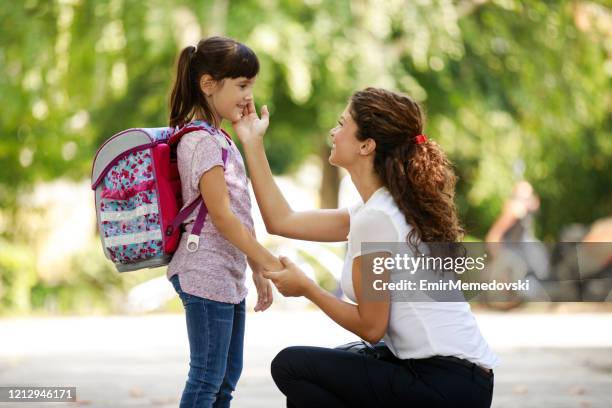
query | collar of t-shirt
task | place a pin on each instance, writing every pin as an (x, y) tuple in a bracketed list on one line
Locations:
[(358, 206)]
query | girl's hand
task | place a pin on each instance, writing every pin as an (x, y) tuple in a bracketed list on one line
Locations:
[(264, 292), (291, 281), (250, 128)]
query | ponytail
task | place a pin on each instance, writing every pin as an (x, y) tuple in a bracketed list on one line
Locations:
[(417, 173), (429, 183), (183, 97)]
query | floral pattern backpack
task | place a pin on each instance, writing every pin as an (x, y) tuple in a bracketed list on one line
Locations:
[(139, 208)]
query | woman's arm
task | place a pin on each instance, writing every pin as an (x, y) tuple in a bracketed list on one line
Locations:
[(280, 219), (329, 225), (214, 192), (368, 319)]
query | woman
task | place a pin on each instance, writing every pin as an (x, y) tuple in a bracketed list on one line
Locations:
[(407, 187)]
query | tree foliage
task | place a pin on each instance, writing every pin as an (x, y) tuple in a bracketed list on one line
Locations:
[(502, 81)]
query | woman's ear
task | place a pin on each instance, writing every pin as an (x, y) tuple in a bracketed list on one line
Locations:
[(207, 84), (367, 146)]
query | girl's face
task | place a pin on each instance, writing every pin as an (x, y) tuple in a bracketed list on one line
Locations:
[(230, 96), (346, 148)]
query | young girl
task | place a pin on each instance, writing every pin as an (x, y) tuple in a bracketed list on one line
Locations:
[(214, 82), (407, 186)]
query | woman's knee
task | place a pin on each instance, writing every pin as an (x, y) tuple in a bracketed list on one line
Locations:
[(286, 360)]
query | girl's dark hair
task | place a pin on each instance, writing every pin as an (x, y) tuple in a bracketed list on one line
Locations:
[(419, 176), (221, 58)]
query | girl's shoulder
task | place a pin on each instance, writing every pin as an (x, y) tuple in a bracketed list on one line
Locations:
[(202, 139)]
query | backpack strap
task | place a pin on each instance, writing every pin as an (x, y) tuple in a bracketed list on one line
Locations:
[(192, 127), (227, 136), (194, 238)]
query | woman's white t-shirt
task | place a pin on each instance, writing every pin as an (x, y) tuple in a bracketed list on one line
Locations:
[(416, 329)]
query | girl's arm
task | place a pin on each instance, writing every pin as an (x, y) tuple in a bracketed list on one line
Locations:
[(368, 319), (280, 219), (262, 285), (216, 197)]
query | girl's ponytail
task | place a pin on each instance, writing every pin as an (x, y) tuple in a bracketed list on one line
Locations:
[(183, 97)]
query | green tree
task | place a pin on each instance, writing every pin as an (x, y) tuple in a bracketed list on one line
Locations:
[(503, 82)]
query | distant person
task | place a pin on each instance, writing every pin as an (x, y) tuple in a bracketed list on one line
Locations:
[(214, 82), (516, 222), (597, 260), (406, 185), (516, 252)]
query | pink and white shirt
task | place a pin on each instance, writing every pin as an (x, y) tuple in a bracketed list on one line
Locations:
[(216, 270)]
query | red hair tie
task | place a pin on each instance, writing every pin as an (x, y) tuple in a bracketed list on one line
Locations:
[(420, 139)]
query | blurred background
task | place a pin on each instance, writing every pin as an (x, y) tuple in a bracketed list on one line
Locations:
[(518, 93)]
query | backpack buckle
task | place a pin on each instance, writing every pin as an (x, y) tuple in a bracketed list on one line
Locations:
[(193, 241)]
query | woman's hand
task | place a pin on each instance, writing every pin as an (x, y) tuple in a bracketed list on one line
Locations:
[(291, 281), (250, 128), (264, 292)]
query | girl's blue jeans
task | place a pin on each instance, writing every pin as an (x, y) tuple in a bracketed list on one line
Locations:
[(216, 340)]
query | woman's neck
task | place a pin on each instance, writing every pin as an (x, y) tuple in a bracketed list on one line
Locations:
[(366, 181)]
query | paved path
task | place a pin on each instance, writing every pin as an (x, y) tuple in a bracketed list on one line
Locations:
[(141, 361)]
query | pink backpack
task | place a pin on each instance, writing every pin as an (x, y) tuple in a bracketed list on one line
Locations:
[(138, 197)]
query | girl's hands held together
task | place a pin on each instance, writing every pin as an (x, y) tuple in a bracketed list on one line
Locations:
[(291, 281), (262, 285), (264, 291)]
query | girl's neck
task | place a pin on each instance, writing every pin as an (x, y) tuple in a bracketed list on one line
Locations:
[(215, 120)]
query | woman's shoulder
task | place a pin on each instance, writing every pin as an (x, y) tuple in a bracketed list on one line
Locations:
[(372, 224), (380, 204), (381, 210), (369, 215)]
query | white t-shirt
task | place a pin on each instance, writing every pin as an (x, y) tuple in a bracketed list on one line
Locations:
[(416, 329)]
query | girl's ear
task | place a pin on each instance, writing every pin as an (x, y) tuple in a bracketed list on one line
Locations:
[(207, 84)]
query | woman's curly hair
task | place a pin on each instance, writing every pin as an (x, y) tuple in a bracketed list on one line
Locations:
[(420, 177)]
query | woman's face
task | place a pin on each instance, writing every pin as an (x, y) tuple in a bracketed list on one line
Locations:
[(345, 145)]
